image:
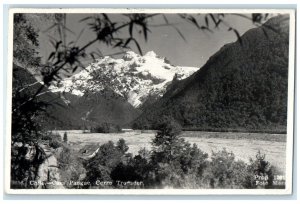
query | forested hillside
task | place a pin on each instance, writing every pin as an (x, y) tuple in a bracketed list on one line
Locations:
[(241, 87)]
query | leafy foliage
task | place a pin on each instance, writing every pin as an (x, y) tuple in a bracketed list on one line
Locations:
[(69, 167), (224, 172), (25, 161), (261, 169), (172, 157), (25, 42), (107, 158), (26, 112), (26, 154)]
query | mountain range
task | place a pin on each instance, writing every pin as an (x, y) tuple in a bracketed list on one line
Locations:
[(134, 77), (241, 87), (109, 90)]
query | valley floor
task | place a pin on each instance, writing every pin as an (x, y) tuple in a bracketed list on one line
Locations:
[(243, 145)]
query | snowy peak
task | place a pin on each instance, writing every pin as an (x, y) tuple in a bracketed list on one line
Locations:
[(129, 55), (150, 54), (134, 77)]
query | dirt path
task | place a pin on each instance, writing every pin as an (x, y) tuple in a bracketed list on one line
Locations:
[(48, 172)]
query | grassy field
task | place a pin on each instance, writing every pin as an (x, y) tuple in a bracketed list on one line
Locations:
[(243, 145)]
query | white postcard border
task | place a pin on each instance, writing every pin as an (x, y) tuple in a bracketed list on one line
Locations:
[(290, 118)]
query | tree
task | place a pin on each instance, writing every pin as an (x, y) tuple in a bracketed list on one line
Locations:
[(173, 158), (108, 158), (65, 137), (167, 141), (25, 42), (24, 114), (263, 170), (225, 172), (122, 146)]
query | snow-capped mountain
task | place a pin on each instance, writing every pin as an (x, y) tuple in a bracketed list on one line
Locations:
[(134, 77)]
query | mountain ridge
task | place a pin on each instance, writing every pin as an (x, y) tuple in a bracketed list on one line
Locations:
[(242, 86), (134, 77)]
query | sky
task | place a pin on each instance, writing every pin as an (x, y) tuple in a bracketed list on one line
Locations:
[(163, 40)]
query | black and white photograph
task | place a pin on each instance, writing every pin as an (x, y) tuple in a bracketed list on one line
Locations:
[(150, 101)]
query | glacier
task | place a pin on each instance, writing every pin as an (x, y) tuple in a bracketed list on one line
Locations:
[(133, 77)]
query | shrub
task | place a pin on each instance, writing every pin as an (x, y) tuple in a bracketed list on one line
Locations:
[(70, 166), (167, 125), (122, 146), (259, 169), (55, 144), (106, 160), (55, 136), (125, 172), (144, 154), (55, 140), (106, 128), (224, 172), (46, 137), (175, 163), (193, 160), (139, 168)]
